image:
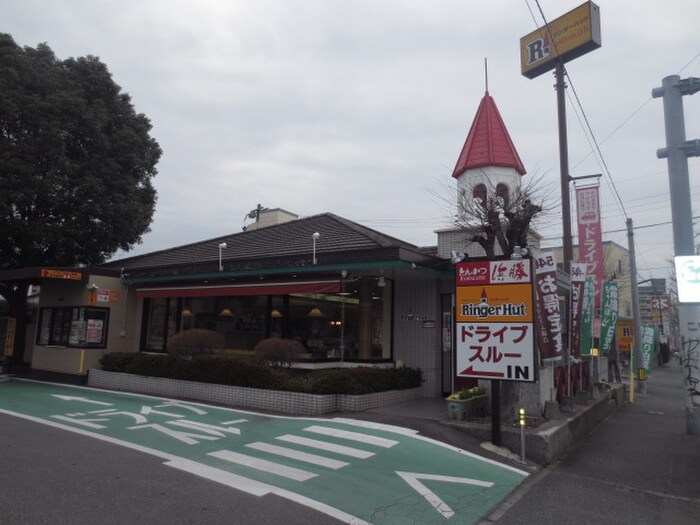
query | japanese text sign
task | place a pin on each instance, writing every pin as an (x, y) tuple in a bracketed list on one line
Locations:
[(578, 278), (648, 346), (590, 237), (609, 313), (495, 320), (549, 339)]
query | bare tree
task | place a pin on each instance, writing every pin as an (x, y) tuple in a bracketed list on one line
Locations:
[(499, 221)]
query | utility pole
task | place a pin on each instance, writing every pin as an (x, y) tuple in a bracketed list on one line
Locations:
[(637, 341), (676, 153)]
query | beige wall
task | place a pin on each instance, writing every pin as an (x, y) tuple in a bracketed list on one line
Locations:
[(122, 332), (415, 344)]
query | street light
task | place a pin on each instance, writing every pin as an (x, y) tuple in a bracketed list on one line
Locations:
[(315, 237), (222, 245)]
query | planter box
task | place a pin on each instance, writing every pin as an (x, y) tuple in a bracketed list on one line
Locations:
[(292, 403), (461, 408)]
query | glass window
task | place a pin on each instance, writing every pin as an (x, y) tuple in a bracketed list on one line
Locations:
[(73, 326), (354, 324), (479, 192)]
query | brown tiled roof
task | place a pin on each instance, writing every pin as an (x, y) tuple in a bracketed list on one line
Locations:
[(286, 241)]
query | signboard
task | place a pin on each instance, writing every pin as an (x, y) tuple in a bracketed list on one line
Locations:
[(590, 237), (586, 340), (625, 335), (609, 313), (578, 278), (569, 36), (660, 303), (648, 346), (688, 278), (549, 340), (49, 273), (10, 333), (495, 320)]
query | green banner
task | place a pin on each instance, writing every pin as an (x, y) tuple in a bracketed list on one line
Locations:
[(587, 317), (648, 346), (608, 316)]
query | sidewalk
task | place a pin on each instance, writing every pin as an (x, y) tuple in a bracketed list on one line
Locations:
[(639, 466)]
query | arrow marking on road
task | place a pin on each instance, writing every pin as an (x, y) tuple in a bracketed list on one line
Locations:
[(412, 479), (83, 399)]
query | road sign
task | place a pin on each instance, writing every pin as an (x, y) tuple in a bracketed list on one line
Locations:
[(495, 320)]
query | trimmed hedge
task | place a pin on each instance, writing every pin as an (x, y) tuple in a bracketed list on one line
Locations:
[(238, 371)]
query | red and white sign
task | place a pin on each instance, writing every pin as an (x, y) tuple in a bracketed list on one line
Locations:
[(660, 303), (495, 320), (590, 237)]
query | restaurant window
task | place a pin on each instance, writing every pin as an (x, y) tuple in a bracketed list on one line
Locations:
[(354, 323), (83, 327)]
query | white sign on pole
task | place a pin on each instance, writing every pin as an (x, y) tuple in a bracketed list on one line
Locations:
[(688, 277)]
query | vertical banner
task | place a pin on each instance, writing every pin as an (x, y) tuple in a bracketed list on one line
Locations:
[(609, 313), (578, 278), (548, 326), (590, 236), (648, 345), (587, 317)]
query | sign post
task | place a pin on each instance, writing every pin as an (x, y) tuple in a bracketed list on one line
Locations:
[(495, 325)]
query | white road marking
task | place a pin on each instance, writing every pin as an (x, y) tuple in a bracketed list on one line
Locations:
[(84, 422), (353, 436), (326, 446), (262, 464), (233, 481), (298, 455), (412, 479), (83, 399)]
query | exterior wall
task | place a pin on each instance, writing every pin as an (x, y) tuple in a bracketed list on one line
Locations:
[(418, 344), (122, 330), (489, 176), (458, 240)]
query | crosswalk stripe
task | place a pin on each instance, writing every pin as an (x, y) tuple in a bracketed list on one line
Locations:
[(298, 455), (326, 446), (262, 464), (353, 436)]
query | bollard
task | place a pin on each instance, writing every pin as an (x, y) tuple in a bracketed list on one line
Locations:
[(521, 412)]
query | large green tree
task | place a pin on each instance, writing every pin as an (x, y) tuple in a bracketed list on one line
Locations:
[(76, 163)]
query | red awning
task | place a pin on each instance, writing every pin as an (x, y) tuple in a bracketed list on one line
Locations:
[(243, 289)]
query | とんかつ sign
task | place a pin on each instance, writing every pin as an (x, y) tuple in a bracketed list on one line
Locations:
[(495, 320)]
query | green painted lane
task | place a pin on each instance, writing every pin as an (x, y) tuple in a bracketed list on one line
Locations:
[(357, 472)]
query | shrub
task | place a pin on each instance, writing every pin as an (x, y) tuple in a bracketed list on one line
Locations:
[(117, 361), (278, 352), (196, 341), (468, 393), (237, 371)]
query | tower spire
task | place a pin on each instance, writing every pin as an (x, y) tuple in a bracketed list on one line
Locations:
[(486, 74)]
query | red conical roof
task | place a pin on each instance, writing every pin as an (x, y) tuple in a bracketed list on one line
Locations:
[(488, 142)]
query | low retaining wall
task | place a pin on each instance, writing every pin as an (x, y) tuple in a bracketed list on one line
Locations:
[(550, 441), (292, 403)]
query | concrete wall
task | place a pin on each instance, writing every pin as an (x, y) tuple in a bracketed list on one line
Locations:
[(417, 343)]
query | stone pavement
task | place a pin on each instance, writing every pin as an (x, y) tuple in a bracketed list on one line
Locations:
[(638, 467)]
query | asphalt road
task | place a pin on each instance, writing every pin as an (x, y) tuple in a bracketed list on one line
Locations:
[(50, 476), (76, 455)]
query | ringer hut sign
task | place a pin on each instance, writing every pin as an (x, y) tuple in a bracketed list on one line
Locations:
[(495, 320)]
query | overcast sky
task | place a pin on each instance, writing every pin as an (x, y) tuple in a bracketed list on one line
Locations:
[(361, 107)]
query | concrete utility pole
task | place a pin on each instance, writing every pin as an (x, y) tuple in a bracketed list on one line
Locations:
[(676, 152), (637, 350)]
